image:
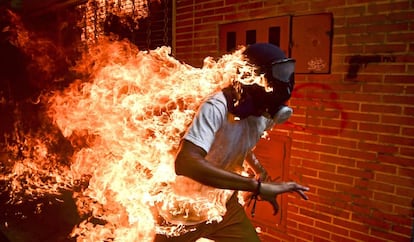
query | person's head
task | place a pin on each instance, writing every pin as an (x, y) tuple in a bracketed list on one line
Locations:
[(278, 71)]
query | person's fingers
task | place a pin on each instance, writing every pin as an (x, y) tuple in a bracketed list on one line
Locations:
[(275, 206), (302, 194), (293, 186)]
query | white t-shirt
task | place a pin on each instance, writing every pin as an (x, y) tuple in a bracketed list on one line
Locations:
[(225, 139)]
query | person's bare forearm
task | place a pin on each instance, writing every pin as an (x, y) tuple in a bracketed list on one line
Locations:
[(190, 162)]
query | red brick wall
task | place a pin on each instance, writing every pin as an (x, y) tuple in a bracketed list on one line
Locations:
[(352, 138)]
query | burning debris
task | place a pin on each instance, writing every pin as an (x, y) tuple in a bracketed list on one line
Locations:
[(122, 124)]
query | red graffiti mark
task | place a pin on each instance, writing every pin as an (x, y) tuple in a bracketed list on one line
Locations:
[(302, 91)]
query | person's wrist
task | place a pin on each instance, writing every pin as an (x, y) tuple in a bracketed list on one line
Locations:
[(258, 187)]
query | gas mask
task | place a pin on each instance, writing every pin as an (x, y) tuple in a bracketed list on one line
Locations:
[(280, 76)]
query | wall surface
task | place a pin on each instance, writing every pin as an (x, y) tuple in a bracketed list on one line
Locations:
[(352, 130)]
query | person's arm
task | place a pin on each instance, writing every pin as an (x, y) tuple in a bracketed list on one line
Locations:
[(190, 162), (255, 165)]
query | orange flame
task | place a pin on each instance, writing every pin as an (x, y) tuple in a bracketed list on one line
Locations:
[(124, 122), (130, 117)]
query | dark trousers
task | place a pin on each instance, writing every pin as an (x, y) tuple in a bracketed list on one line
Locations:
[(235, 227)]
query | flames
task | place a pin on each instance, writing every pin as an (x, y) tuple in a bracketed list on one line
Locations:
[(124, 120)]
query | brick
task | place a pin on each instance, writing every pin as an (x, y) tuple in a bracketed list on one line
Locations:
[(185, 30), (351, 225), (393, 179), (306, 172), (215, 18), (360, 135), (408, 110), (236, 16), (401, 16), (319, 165), (365, 38), (321, 148), (374, 7), (354, 49), (380, 148), (394, 218), (312, 182), (366, 117), (389, 236), (336, 177), (388, 28), (348, 11), (358, 208), (376, 166), (335, 212), (371, 221), (400, 229), (380, 128), (322, 112), (224, 10), (251, 5), (335, 230), (407, 131), (294, 7), (213, 4), (398, 79), (396, 140), (402, 161), (382, 67), (365, 237), (402, 209), (377, 108), (407, 151), (398, 99), (364, 19), (400, 37), (381, 186), (357, 154), (333, 159), (316, 215), (409, 90), (334, 127), (184, 16), (404, 192), (391, 198), (404, 58), (400, 120), (303, 235), (361, 97), (374, 88), (339, 238), (339, 142), (407, 171), (304, 153), (324, 4), (355, 172), (262, 13), (368, 78), (298, 218), (379, 205)]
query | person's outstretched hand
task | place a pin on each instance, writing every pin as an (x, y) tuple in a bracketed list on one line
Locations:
[(269, 191)]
